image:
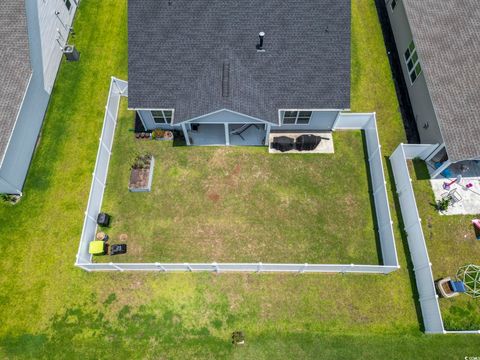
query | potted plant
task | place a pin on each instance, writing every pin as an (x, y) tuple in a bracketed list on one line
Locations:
[(238, 338), (158, 134), (168, 135), (443, 204)]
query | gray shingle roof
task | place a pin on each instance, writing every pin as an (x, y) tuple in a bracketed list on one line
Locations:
[(447, 38), (15, 67), (177, 50)]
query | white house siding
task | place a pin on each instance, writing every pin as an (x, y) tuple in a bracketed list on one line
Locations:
[(219, 117), (45, 57), (51, 52), (22, 143), (320, 120), (419, 96)]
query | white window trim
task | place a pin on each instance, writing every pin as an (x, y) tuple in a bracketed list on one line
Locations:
[(296, 118), (162, 110), (414, 64)]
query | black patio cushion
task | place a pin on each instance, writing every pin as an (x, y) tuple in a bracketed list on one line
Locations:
[(307, 142), (283, 143)]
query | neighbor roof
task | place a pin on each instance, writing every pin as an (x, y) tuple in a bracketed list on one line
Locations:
[(182, 52), (15, 67), (447, 38)]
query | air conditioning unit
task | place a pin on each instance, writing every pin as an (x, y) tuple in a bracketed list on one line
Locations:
[(71, 53)]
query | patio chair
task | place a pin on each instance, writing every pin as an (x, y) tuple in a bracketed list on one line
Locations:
[(453, 195), (239, 131)]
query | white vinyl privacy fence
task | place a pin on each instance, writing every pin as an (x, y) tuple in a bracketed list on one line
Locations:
[(368, 123), (364, 122), (118, 88), (422, 267)]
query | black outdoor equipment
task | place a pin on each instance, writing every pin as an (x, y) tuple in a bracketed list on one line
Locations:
[(116, 249), (103, 219), (283, 143), (307, 142)]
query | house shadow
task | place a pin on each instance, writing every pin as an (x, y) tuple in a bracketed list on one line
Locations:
[(420, 170)]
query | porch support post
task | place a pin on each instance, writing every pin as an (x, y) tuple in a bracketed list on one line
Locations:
[(435, 152), (267, 133), (336, 121), (227, 135), (185, 134), (437, 172)]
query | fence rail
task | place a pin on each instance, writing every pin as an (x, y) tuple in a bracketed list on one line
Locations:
[(366, 122), (238, 267), (422, 267)]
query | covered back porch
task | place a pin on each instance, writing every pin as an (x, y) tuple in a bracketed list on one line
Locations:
[(226, 128)]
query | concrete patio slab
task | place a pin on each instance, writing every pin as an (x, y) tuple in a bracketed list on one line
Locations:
[(468, 196)]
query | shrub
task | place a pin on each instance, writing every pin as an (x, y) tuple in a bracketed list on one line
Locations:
[(443, 204)]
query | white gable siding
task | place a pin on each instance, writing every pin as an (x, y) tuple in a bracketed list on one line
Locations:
[(51, 52)]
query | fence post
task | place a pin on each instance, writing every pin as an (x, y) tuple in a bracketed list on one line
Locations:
[(98, 180), (105, 147), (160, 266), (405, 187), (380, 187), (116, 266), (377, 151), (421, 267), (407, 228), (302, 270)]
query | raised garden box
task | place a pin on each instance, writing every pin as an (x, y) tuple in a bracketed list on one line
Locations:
[(141, 176)]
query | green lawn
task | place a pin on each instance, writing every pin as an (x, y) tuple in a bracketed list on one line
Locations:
[(451, 244), (240, 204), (50, 309)]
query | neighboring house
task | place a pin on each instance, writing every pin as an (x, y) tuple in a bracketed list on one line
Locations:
[(198, 67), (32, 36), (439, 45)]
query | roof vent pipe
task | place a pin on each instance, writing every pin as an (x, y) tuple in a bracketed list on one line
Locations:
[(261, 35)]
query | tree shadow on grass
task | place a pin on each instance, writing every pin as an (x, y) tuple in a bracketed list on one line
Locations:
[(420, 170), (85, 331)]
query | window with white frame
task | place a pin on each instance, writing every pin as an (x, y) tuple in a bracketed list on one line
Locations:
[(162, 116), (393, 4), (413, 63), (296, 117)]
